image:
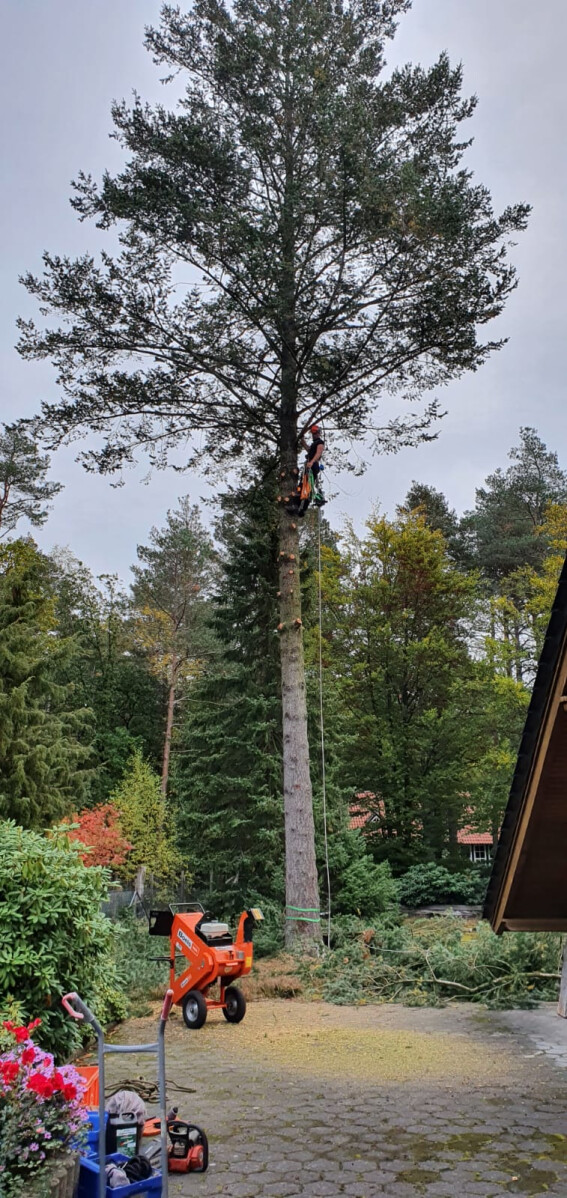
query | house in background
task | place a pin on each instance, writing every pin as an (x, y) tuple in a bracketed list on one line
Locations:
[(477, 845)]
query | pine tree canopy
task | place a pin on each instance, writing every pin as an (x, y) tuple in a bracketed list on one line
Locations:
[(24, 489), (511, 508), (339, 248)]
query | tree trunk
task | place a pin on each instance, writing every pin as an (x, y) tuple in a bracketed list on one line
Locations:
[(168, 728), (562, 1002), (302, 889), (139, 884)]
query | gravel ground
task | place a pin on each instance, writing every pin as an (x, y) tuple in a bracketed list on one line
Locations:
[(309, 1099)]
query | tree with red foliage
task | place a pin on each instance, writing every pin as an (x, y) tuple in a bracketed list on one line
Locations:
[(101, 832)]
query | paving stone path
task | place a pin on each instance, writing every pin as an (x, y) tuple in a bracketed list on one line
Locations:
[(313, 1100)]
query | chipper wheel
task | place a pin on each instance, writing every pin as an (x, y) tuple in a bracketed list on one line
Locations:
[(235, 1008), (194, 1009)]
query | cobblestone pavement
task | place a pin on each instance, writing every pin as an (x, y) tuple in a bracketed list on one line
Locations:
[(312, 1100)]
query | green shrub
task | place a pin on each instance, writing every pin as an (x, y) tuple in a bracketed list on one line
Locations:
[(141, 976), (423, 884), (268, 935), (53, 935), (366, 889)]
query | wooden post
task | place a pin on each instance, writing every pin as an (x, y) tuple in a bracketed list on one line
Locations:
[(562, 1004), (140, 883)]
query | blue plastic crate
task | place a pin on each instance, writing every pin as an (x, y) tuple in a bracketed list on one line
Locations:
[(92, 1134), (88, 1180)]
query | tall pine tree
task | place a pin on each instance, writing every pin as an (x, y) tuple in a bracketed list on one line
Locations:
[(342, 252), (25, 491), (511, 507)]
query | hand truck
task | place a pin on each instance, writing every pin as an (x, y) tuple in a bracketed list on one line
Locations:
[(157, 1049)]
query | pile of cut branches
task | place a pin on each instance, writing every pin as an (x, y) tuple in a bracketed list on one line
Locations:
[(429, 962)]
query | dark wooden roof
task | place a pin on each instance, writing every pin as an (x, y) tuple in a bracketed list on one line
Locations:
[(528, 885)]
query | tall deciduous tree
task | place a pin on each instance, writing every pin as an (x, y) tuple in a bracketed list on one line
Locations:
[(395, 628), (170, 591), (342, 252), (44, 730), (438, 515), (25, 492)]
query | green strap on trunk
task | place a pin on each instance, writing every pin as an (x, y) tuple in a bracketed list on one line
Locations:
[(303, 918)]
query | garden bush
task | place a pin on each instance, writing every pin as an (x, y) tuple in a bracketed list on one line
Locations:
[(141, 976), (366, 889), (53, 935), (431, 883)]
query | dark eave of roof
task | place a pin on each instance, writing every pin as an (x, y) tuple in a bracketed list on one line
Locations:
[(547, 668)]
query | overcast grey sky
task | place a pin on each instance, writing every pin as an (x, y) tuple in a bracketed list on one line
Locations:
[(64, 61)]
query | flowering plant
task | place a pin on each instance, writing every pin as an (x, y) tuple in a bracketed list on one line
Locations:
[(40, 1111)]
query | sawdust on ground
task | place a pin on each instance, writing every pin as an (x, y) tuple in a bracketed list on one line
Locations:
[(362, 1044)]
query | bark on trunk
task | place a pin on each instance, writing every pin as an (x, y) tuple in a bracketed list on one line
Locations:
[(168, 730), (302, 889)]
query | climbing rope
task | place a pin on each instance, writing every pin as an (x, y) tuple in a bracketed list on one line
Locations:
[(322, 727)]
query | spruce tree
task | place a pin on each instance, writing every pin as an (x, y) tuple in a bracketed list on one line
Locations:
[(227, 768), (44, 733), (341, 252), (108, 672)]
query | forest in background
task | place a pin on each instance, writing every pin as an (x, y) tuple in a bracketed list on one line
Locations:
[(148, 714)]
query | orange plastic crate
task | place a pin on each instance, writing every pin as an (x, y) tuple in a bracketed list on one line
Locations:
[(90, 1074)]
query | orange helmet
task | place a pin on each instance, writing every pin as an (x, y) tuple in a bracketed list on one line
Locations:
[(315, 428)]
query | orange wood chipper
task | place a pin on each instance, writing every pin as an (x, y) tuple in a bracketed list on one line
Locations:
[(211, 955)]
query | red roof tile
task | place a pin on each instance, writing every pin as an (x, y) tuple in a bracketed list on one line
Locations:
[(466, 836)]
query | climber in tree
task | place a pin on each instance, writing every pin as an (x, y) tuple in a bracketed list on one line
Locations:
[(314, 451), (313, 462), (308, 486)]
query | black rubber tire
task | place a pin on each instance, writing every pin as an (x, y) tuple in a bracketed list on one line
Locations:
[(235, 1009), (194, 1009)]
